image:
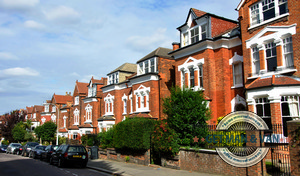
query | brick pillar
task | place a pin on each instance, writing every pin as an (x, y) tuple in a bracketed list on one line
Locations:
[(293, 131), (251, 108), (196, 76), (279, 55), (262, 60), (276, 115), (186, 78)]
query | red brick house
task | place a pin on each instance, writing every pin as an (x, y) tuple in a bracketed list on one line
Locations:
[(93, 107), (36, 116), (59, 112), (46, 114), (209, 58), (271, 51), (79, 93), (138, 90)]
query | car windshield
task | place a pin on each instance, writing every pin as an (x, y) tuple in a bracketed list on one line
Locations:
[(16, 145), (55, 147), (32, 144), (40, 147), (76, 149)]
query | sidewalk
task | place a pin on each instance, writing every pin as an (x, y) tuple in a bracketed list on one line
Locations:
[(129, 169)]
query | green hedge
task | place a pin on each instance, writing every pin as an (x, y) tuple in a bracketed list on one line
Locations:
[(133, 134)]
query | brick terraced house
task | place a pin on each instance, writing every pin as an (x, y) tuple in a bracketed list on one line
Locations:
[(209, 58), (271, 50), (139, 93)]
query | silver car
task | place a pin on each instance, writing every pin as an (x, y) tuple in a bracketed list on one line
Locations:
[(12, 147)]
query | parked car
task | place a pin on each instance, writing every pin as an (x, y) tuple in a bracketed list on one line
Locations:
[(37, 151), (3, 148), (27, 148), (12, 147), (19, 150), (70, 154), (48, 151)]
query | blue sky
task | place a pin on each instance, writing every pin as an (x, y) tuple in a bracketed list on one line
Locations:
[(45, 46)]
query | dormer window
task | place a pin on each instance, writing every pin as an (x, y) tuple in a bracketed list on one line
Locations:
[(147, 66), (76, 101), (47, 108), (92, 91), (53, 108), (194, 34), (266, 10), (113, 78)]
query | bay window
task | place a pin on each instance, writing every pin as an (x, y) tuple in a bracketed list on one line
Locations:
[(192, 77), (263, 109), (238, 74), (271, 56), (255, 60), (288, 52)]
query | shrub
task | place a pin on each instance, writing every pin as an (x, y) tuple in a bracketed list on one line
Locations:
[(5, 142), (106, 138), (164, 139), (187, 113), (133, 134)]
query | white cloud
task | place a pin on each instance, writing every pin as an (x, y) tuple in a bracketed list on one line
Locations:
[(7, 56), (63, 14), (18, 4), (33, 24), (6, 32), (143, 43), (17, 71)]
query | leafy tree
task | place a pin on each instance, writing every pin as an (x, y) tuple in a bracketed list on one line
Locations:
[(46, 132), (19, 131), (10, 119), (164, 139), (187, 113)]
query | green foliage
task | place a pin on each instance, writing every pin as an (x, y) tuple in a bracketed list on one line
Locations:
[(187, 113), (106, 138), (19, 131), (5, 142), (29, 137), (164, 139), (62, 140), (133, 133), (90, 140), (46, 132), (127, 158), (46, 143)]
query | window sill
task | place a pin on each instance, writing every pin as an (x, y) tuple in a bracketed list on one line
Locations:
[(108, 114), (88, 121), (268, 21), (237, 86), (286, 70), (138, 111)]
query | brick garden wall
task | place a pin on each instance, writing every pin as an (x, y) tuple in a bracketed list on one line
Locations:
[(142, 158)]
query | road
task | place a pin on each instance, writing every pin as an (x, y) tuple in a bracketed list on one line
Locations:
[(16, 165)]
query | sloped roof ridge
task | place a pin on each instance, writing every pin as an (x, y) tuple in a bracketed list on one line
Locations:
[(125, 67), (160, 51)]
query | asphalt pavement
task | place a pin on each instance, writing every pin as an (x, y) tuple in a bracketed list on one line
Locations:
[(130, 169)]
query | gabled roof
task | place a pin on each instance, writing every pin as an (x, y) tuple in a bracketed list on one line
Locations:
[(198, 14), (127, 67), (29, 110), (82, 87), (62, 99), (159, 52), (38, 108), (97, 81), (278, 80)]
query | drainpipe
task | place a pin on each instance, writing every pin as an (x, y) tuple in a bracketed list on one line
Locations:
[(58, 108)]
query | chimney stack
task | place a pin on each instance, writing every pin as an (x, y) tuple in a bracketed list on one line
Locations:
[(176, 45)]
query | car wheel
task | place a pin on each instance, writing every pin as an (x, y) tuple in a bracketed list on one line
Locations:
[(83, 165), (60, 163), (51, 161)]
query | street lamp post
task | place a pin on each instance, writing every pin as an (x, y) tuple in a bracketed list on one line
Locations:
[(58, 108)]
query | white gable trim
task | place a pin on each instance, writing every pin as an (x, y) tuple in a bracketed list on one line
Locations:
[(187, 64), (235, 59), (279, 32)]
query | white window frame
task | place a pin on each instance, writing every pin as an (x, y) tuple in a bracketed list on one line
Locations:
[(53, 108), (88, 113), (271, 47), (109, 104), (237, 76), (185, 37), (76, 116), (141, 93), (65, 121), (288, 52), (200, 75), (47, 108), (53, 118), (255, 60), (147, 66), (257, 13), (191, 77), (76, 101), (124, 99), (113, 78), (196, 36), (131, 103)]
